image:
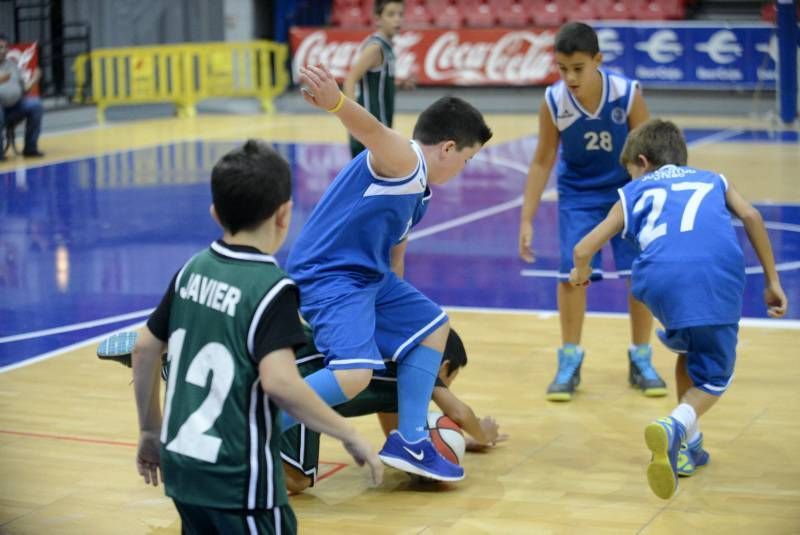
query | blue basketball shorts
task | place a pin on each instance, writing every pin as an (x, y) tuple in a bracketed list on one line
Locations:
[(358, 325), (573, 224), (710, 354)]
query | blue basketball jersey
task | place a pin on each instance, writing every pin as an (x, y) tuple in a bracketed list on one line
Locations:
[(356, 223), (690, 268), (588, 169)]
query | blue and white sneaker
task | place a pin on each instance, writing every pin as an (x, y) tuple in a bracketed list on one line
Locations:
[(664, 438), (691, 457), (642, 374), (568, 376), (420, 458), (118, 347)]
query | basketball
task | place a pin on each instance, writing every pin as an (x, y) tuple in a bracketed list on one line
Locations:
[(447, 437)]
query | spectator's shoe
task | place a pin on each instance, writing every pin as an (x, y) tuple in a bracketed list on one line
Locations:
[(118, 347), (664, 438), (32, 153), (419, 458), (691, 457), (568, 376), (642, 375)]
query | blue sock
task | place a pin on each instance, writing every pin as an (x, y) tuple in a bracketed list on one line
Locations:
[(324, 383), (416, 375)]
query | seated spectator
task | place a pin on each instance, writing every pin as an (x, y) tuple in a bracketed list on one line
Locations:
[(15, 106)]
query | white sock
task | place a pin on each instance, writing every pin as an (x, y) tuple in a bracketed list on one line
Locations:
[(685, 414), (693, 434)]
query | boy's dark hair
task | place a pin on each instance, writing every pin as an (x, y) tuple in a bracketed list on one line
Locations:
[(381, 4), (577, 37), (661, 142), (451, 118), (454, 353), (248, 185)]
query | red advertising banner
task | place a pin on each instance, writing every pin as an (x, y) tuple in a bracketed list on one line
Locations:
[(26, 56), (439, 56)]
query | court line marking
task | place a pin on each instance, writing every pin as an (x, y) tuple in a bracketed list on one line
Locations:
[(76, 326), (28, 434), (765, 323), (62, 350)]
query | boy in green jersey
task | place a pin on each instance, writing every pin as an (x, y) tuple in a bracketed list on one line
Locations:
[(229, 324)]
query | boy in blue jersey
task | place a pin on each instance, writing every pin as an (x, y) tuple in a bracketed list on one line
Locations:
[(342, 261), (589, 112), (690, 274)]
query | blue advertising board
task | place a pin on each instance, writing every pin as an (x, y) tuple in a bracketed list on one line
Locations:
[(692, 55)]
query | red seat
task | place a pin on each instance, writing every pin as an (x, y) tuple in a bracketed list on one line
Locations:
[(675, 9), (648, 10), (513, 15), (619, 10), (479, 16), (449, 17), (583, 11), (416, 16), (551, 14), (349, 17)]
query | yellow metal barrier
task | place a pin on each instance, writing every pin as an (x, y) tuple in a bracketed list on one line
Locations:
[(183, 74)]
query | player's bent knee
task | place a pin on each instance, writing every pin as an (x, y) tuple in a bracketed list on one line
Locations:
[(353, 381), (296, 481), (438, 338)]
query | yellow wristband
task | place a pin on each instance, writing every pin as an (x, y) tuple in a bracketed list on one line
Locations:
[(338, 104)]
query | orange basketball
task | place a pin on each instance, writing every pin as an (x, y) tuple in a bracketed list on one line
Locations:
[(447, 437)]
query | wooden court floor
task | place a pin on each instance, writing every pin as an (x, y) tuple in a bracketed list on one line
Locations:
[(68, 428)]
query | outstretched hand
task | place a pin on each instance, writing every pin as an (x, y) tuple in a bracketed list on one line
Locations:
[(321, 89), (362, 454)]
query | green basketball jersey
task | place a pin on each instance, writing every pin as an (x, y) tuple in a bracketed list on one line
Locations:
[(375, 90), (221, 434)]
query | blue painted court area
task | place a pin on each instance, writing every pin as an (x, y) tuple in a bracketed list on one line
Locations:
[(88, 246)]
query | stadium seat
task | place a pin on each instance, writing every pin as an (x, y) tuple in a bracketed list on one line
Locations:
[(350, 17), (550, 14), (449, 17), (648, 10), (478, 16), (582, 11), (512, 15), (620, 10), (416, 16)]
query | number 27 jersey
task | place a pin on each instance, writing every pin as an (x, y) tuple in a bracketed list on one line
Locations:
[(690, 267)]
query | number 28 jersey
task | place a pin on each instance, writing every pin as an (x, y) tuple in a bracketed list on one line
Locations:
[(588, 169), (690, 267)]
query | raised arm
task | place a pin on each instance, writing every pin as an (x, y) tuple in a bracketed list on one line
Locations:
[(281, 381), (591, 243), (753, 223), (391, 153), (371, 56), (538, 173)]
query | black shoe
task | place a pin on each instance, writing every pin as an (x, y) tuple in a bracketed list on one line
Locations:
[(32, 154)]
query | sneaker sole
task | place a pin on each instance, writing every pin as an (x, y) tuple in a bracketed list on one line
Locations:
[(660, 476), (558, 396), (655, 392), (405, 466)]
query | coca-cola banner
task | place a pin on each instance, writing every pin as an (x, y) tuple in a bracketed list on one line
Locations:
[(26, 56), (665, 54), (438, 56)]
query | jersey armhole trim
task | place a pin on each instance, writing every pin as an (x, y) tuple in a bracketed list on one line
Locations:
[(396, 180), (724, 181), (624, 213), (635, 86), (548, 99), (262, 306)]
